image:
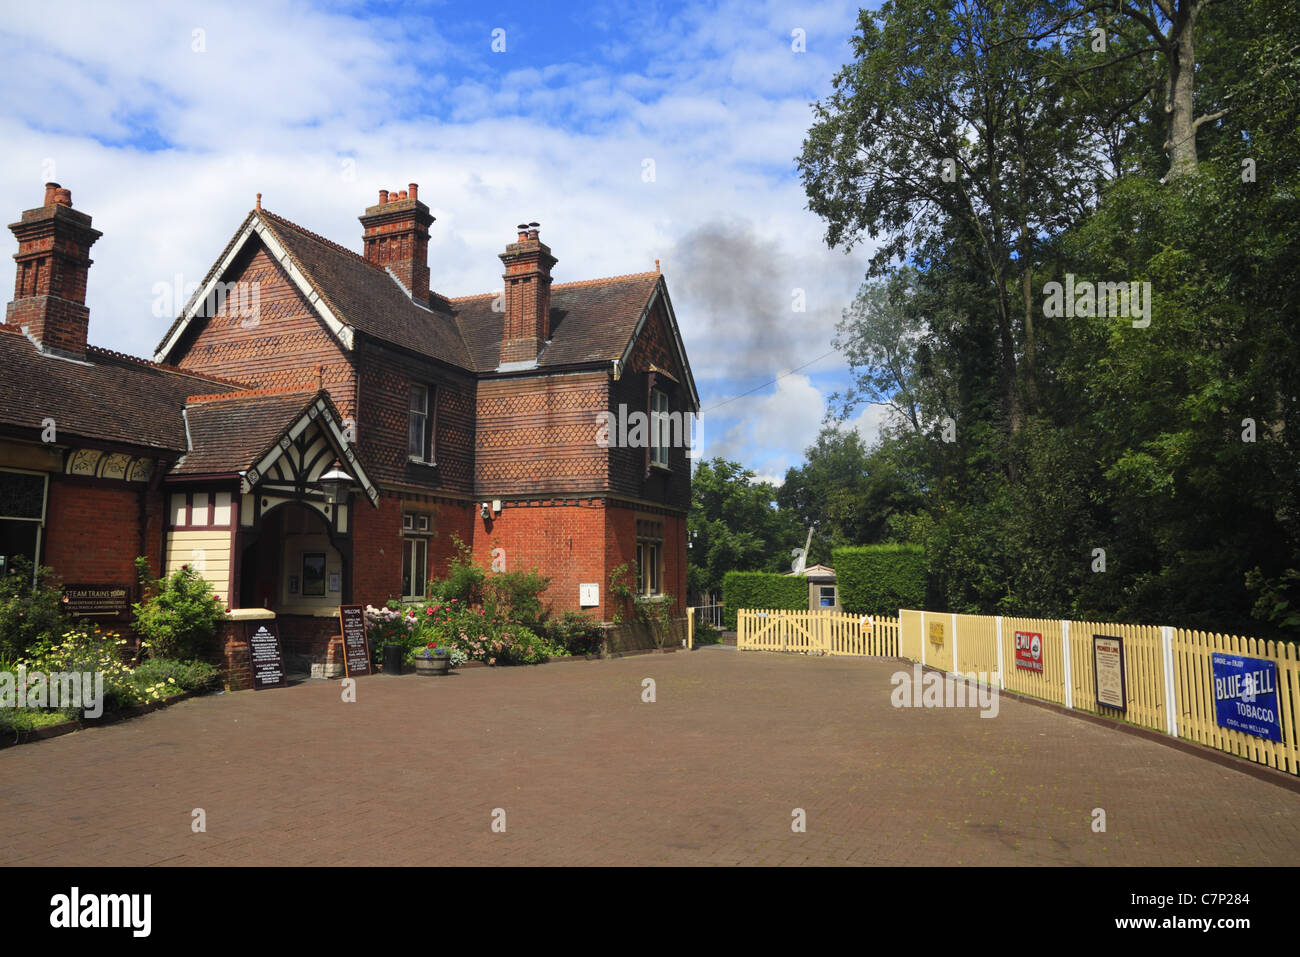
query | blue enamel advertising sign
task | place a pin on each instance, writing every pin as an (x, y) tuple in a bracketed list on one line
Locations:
[(1245, 695)]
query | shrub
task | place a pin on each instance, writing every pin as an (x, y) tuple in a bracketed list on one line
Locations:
[(95, 650), (880, 579), (706, 634), (181, 675), (576, 632), (179, 614), (392, 625), (761, 590), (464, 581), (518, 596), (28, 612), (482, 635)]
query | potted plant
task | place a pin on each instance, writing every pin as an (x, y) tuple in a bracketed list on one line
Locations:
[(433, 660)]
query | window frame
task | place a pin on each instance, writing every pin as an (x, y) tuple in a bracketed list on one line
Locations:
[(649, 560), (416, 533), (659, 428), (428, 430)]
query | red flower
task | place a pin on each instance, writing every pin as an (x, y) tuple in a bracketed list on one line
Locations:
[(428, 612)]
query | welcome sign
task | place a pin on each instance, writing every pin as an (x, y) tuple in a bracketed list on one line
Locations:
[(1245, 695)]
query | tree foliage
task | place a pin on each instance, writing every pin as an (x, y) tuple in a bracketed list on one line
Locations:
[(1083, 465)]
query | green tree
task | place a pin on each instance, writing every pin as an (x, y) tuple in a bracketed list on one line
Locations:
[(734, 525)]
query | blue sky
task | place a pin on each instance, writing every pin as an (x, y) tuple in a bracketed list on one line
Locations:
[(164, 119)]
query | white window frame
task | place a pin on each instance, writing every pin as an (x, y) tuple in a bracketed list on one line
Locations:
[(649, 568), (425, 456), (412, 547), (659, 428)]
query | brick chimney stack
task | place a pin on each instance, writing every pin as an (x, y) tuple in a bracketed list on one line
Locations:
[(396, 236), (53, 259), (528, 263)]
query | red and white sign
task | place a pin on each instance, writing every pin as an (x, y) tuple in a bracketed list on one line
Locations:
[(1029, 651)]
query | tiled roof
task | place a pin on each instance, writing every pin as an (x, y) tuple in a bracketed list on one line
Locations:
[(366, 297), (230, 433), (591, 321), (110, 397)]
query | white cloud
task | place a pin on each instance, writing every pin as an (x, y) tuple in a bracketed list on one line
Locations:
[(166, 147)]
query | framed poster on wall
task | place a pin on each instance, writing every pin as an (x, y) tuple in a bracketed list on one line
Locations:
[(313, 574), (1108, 671)]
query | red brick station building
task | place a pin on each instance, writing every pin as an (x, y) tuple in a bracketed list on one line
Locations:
[(476, 417)]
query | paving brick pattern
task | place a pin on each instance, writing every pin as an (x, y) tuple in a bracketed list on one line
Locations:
[(589, 774)]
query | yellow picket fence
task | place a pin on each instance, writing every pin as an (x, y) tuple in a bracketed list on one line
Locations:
[(1168, 679), (816, 632)]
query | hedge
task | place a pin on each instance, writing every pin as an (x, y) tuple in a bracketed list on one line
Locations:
[(761, 590), (880, 579)]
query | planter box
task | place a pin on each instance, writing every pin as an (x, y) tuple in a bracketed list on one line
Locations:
[(432, 666)]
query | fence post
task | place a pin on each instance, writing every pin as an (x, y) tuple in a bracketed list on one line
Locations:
[(690, 629), (1065, 657), (956, 668), (1002, 682), (1171, 685)]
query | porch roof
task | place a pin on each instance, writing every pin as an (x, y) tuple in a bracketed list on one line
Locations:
[(244, 434)]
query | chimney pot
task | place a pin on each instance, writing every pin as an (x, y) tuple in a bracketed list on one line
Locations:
[(527, 325), (399, 240), (50, 285)]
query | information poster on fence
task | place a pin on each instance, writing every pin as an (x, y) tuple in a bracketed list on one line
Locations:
[(1245, 695), (1108, 669), (936, 633), (1029, 651)]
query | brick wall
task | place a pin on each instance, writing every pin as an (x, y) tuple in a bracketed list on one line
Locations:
[(280, 347), (92, 533), (564, 539), (538, 435), (385, 377), (377, 542)]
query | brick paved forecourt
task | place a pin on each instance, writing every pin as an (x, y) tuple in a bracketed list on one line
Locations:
[(588, 774)]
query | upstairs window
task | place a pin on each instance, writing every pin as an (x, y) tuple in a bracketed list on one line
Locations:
[(419, 419), (659, 430)]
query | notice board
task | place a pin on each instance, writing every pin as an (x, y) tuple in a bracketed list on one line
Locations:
[(264, 649), (356, 647)]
